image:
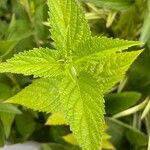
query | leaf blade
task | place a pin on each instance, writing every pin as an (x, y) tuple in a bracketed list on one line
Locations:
[(47, 102), (107, 68), (38, 62), (83, 112), (68, 23), (117, 102), (7, 121), (56, 119), (98, 45), (8, 108)]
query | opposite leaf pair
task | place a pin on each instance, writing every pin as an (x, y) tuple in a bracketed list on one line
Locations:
[(75, 76)]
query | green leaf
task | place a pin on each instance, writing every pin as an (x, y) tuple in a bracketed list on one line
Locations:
[(6, 46), (38, 62), (120, 5), (117, 102), (87, 67), (68, 24), (70, 139), (105, 69), (18, 30), (117, 133), (83, 108), (25, 124), (139, 79), (134, 136), (41, 95), (7, 121), (8, 108), (107, 145), (56, 119), (98, 45)]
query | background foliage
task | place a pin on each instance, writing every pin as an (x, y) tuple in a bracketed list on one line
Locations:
[(23, 25)]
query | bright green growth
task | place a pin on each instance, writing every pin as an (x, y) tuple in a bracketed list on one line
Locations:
[(75, 76)]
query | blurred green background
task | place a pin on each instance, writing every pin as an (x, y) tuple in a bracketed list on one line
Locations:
[(23, 26)]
